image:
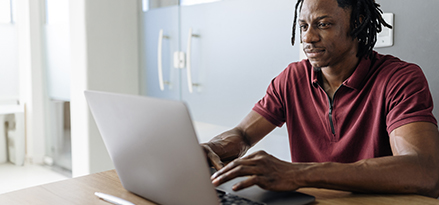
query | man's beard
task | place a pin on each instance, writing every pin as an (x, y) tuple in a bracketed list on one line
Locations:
[(317, 69)]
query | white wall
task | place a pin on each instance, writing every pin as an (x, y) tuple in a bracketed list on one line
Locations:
[(105, 56), (31, 75)]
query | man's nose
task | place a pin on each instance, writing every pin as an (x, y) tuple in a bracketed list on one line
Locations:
[(310, 36)]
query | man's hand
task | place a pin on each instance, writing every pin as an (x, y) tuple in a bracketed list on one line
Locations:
[(213, 159), (263, 170), (234, 143)]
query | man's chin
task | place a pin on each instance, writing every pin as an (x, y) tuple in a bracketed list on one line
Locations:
[(317, 69), (317, 66)]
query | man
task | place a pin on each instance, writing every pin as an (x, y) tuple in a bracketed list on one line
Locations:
[(357, 120)]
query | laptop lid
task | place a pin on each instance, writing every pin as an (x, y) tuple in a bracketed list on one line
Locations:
[(154, 148)]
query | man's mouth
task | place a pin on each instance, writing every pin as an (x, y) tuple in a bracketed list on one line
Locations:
[(312, 53)]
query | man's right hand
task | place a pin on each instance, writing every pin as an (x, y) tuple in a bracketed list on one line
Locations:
[(213, 159), (234, 143)]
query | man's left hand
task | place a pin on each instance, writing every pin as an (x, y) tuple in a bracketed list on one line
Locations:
[(263, 170)]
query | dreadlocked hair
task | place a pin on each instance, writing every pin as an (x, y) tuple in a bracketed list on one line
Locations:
[(366, 22)]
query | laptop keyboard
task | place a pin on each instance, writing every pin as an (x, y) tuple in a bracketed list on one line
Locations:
[(230, 199)]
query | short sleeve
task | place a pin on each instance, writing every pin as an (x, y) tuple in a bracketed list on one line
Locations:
[(408, 98), (272, 105)]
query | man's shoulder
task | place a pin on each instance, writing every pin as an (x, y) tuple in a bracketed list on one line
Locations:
[(387, 61), (300, 64), (295, 72), (299, 67), (394, 70), (389, 66)]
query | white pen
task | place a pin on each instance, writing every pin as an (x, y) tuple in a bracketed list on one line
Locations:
[(113, 199)]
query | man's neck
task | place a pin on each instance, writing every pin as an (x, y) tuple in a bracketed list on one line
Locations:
[(334, 76)]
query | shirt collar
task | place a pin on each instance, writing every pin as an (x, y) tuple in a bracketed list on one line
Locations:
[(315, 75), (354, 81)]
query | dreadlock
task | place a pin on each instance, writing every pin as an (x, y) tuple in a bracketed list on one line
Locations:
[(366, 21)]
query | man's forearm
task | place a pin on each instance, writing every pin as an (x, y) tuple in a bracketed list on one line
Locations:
[(394, 174)]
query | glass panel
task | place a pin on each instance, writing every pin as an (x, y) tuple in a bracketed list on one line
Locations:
[(58, 61), (9, 77), (155, 21), (5, 11), (58, 139), (57, 54), (236, 52), (57, 45)]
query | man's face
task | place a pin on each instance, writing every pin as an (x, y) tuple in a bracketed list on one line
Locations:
[(325, 33)]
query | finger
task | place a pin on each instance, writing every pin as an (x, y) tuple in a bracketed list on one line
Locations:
[(225, 169), (213, 158), (238, 171), (215, 161), (256, 155), (232, 165), (250, 181)]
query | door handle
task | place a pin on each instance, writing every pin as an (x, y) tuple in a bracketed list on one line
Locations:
[(188, 61), (159, 60)]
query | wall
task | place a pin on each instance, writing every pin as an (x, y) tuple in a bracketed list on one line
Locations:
[(31, 75), (105, 57), (415, 37), (112, 33)]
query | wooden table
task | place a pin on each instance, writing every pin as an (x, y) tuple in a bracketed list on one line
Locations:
[(81, 191)]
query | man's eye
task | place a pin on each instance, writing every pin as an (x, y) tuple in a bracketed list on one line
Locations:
[(303, 27), (323, 25)]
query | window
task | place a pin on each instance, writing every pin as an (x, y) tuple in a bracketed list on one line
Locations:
[(6, 11), (57, 11)]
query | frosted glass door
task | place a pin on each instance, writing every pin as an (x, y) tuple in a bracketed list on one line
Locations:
[(237, 48), (58, 60), (160, 27), (57, 49)]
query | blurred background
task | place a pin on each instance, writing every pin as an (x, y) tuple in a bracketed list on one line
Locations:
[(53, 50)]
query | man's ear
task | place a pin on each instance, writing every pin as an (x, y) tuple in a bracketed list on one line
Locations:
[(361, 18)]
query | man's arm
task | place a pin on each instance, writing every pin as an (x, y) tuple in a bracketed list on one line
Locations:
[(235, 142), (413, 168)]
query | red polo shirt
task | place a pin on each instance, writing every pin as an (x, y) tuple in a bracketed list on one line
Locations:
[(378, 97)]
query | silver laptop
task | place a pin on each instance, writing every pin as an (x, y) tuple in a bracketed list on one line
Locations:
[(155, 151)]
